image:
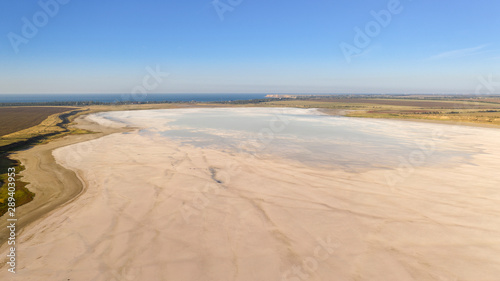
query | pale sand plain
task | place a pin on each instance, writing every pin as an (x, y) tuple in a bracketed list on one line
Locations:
[(153, 209), (53, 184)]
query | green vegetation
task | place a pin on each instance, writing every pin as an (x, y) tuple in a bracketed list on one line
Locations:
[(46, 123), (22, 194)]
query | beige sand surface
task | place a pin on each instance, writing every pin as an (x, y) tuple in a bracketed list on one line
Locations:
[(52, 184), (156, 210)]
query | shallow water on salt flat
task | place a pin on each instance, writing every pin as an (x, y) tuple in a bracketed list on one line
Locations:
[(305, 135)]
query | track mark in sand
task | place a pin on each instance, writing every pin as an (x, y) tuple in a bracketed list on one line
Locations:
[(230, 243), (275, 231)]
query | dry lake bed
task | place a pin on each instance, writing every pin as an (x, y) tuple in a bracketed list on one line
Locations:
[(271, 194)]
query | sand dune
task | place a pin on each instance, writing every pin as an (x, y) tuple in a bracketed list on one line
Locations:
[(153, 209)]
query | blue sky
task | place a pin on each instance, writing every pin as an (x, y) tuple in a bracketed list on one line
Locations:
[(258, 46)]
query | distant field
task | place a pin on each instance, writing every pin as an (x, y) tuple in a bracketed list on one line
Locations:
[(13, 119), (434, 104), (475, 110)]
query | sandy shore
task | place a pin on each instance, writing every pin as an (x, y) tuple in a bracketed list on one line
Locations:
[(157, 210), (53, 184)]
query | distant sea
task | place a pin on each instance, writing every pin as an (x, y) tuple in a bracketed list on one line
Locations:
[(17, 98)]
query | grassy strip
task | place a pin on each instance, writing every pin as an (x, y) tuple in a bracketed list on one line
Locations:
[(462, 116), (466, 112), (22, 194), (58, 128)]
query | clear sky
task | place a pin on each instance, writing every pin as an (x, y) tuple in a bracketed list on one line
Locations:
[(249, 46)]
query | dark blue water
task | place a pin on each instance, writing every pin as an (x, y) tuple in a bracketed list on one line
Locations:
[(15, 98)]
